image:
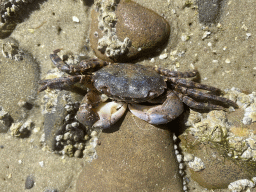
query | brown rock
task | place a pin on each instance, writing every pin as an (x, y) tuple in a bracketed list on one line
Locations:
[(135, 157), (220, 170), (145, 29)]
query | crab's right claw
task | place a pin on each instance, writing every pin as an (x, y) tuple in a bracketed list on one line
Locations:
[(102, 116), (159, 114), (109, 113)]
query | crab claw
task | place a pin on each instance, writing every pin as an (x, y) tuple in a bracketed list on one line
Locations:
[(109, 113), (159, 114)]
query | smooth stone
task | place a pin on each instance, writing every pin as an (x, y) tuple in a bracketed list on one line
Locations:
[(19, 79), (220, 170), (29, 183), (146, 30), (135, 156), (208, 11)]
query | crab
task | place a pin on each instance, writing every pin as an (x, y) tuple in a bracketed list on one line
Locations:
[(153, 94)]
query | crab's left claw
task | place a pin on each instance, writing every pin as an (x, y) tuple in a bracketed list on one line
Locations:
[(159, 114), (109, 113)]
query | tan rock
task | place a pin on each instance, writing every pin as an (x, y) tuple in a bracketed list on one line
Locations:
[(135, 157)]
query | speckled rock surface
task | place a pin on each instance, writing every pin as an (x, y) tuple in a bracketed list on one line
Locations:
[(222, 144), (134, 22), (54, 120), (19, 77), (220, 170), (135, 157), (208, 10)]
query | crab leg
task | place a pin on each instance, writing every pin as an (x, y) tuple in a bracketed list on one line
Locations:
[(159, 114), (191, 84), (198, 105), (79, 68), (94, 113), (203, 96), (63, 82)]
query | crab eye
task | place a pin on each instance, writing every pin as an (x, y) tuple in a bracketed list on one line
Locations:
[(104, 90)]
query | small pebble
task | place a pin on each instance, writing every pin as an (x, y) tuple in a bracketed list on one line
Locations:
[(75, 19), (41, 163), (208, 10), (206, 34), (184, 37), (29, 182), (78, 153), (227, 61), (248, 35), (163, 56)]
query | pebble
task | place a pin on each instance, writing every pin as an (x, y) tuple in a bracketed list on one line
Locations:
[(5, 120), (206, 34), (163, 56), (208, 11), (41, 163), (75, 19), (227, 61), (129, 32), (29, 183)]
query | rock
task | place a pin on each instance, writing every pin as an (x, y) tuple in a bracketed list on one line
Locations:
[(6, 29), (225, 147), (29, 182), (5, 120), (19, 78), (62, 130), (54, 115), (135, 157), (208, 10), (126, 31), (21, 129), (220, 170)]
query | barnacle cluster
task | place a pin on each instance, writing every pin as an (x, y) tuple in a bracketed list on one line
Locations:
[(233, 132), (5, 120), (109, 43), (21, 129), (9, 8), (10, 49), (246, 102), (74, 139), (243, 184), (70, 137)]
